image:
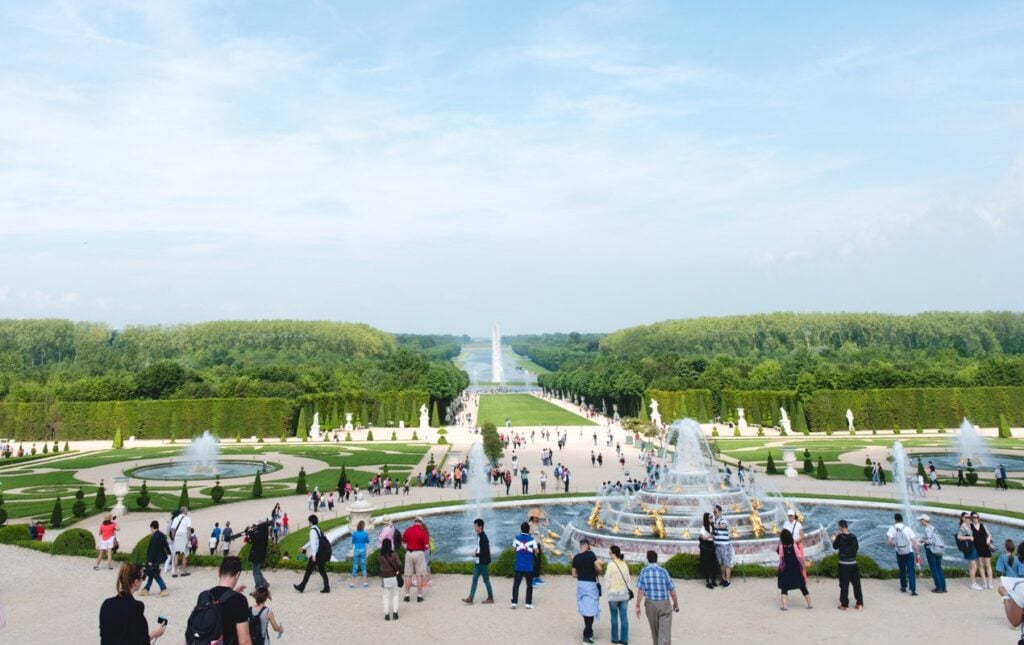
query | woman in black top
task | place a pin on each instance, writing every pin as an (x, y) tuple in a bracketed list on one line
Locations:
[(791, 571), (983, 544), (708, 561), (122, 618)]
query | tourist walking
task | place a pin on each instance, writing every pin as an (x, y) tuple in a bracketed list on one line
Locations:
[(360, 540), (616, 583), (229, 598), (846, 544), (654, 588), (156, 554), (122, 617), (792, 574), (481, 564), (259, 538), (214, 538), (417, 544), (723, 546), (390, 582), (108, 538), (525, 549), (264, 615), (983, 545), (318, 550), (902, 538), (934, 550), (524, 475), (960, 481), (225, 538), (180, 527), (708, 560), (585, 568)]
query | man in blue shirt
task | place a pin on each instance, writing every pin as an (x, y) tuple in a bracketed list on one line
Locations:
[(654, 587), (525, 548)]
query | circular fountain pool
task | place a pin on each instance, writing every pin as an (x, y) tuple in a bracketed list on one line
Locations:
[(950, 460), (454, 540), (187, 470)]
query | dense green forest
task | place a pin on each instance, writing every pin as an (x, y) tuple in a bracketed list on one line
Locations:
[(42, 361), (803, 353)]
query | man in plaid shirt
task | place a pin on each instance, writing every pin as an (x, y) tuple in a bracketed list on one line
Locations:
[(654, 588)]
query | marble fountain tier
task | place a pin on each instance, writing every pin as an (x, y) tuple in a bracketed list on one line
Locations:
[(666, 516)]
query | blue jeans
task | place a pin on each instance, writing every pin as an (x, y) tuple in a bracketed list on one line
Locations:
[(159, 581), (481, 570), (906, 564), (358, 560), (619, 610), (935, 564)]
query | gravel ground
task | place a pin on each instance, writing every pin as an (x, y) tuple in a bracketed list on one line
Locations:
[(745, 613)]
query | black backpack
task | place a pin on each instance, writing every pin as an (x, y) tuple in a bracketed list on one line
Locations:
[(204, 623), (323, 549), (256, 628)]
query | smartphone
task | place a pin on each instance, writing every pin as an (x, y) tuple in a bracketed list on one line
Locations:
[(162, 620)]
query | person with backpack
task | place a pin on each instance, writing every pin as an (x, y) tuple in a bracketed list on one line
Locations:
[(902, 538), (934, 549), (221, 614), (261, 618), (318, 550)]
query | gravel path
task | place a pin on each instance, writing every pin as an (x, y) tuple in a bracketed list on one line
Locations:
[(745, 613)]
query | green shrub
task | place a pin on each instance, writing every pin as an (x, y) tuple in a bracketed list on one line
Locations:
[(441, 441), (33, 449), (78, 508), (369, 435), (442, 431), (808, 464), (101, 497), (895, 429), (822, 472), (770, 468), (920, 467), (138, 553), (300, 485), (118, 439), (1004, 428), (760, 431), (942, 430), (11, 533), (504, 564), (3, 515), (829, 567), (394, 436), (142, 500), (74, 542), (971, 476), (217, 492), (67, 447), (284, 437), (714, 431), (238, 437), (57, 516), (736, 431), (183, 498), (415, 436), (867, 468), (683, 565), (348, 435), (257, 487), (46, 448)]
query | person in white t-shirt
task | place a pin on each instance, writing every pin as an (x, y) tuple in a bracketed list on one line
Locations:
[(179, 535), (902, 538), (794, 526), (1012, 592)]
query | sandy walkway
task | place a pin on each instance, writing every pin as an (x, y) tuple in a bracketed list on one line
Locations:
[(746, 613)]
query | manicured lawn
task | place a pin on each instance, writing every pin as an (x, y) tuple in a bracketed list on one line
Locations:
[(525, 410)]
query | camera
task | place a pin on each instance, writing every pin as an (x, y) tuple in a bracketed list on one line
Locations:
[(162, 620)]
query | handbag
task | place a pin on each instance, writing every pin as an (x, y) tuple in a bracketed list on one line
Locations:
[(398, 575), (631, 594)]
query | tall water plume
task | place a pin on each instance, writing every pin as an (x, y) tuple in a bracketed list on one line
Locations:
[(497, 369), (203, 452), (904, 479), (972, 445), (478, 484)]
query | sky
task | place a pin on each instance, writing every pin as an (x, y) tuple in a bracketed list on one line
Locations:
[(552, 166)]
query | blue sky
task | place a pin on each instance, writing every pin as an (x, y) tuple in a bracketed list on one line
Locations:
[(433, 167)]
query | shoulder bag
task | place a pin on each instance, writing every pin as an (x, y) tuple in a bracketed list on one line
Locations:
[(628, 590)]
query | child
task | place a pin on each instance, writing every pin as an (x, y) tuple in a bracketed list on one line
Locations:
[(1008, 564), (266, 615)]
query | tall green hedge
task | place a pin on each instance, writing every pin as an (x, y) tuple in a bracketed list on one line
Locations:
[(680, 404), (762, 406)]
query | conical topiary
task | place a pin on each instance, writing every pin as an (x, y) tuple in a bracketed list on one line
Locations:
[(770, 467), (300, 485), (183, 498), (142, 500), (822, 472), (101, 497), (78, 508), (217, 492), (302, 428), (257, 487), (808, 464), (57, 517), (118, 440)]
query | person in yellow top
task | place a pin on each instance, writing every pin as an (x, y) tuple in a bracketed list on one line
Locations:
[(616, 582)]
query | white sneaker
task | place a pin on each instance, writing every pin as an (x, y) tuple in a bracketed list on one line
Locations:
[(977, 587), (514, 605), (529, 606), (988, 585)]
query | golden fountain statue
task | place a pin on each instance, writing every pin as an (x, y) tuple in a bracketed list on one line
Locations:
[(755, 523), (659, 524), (636, 531), (592, 520)]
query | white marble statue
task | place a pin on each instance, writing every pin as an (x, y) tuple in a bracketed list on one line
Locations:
[(786, 424), (314, 430), (741, 421), (348, 422), (655, 415), (849, 419), (424, 417)]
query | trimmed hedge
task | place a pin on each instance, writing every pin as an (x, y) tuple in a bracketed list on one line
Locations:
[(11, 533), (74, 542), (680, 404), (762, 406)]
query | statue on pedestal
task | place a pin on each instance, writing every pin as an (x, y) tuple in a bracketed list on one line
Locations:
[(314, 430), (655, 415), (786, 424), (424, 417), (849, 420), (348, 422), (741, 420)]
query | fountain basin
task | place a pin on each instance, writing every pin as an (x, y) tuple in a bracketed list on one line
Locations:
[(950, 461), (191, 470)]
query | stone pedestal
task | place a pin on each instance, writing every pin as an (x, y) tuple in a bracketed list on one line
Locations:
[(120, 490), (360, 510)]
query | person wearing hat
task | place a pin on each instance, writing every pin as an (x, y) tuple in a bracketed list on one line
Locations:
[(585, 568), (388, 532), (793, 525), (846, 544), (934, 549)]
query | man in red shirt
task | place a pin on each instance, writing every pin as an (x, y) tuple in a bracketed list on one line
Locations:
[(417, 542)]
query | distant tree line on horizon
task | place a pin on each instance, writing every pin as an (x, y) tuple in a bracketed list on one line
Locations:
[(803, 353)]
